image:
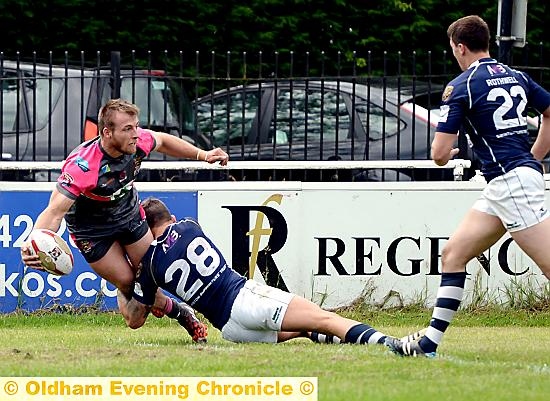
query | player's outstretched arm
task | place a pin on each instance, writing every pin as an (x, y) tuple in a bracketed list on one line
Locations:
[(177, 147)]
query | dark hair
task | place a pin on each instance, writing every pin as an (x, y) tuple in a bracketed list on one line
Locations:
[(472, 31), (156, 212), (106, 113)]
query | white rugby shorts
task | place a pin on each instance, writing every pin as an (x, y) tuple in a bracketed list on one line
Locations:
[(517, 198), (257, 314)]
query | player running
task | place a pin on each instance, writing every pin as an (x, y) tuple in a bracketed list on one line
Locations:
[(491, 99), (95, 194), (185, 262)]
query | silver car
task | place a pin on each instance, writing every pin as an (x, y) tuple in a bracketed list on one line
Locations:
[(46, 111)]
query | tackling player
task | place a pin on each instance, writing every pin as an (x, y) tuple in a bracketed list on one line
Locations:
[(185, 262), (95, 194), (492, 99)]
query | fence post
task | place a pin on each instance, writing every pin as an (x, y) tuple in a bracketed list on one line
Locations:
[(505, 32), (115, 75)]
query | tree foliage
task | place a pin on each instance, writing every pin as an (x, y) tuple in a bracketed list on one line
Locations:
[(336, 34)]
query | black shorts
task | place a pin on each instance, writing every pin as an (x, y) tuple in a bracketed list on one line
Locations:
[(94, 249)]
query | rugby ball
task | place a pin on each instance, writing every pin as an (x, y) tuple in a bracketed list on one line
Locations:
[(54, 253)]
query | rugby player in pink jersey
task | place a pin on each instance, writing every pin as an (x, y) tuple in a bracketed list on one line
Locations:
[(95, 193)]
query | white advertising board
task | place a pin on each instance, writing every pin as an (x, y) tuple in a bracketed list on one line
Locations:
[(336, 243)]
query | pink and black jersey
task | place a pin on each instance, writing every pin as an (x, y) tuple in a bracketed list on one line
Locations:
[(102, 186)]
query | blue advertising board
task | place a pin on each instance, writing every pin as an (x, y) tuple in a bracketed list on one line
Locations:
[(23, 288)]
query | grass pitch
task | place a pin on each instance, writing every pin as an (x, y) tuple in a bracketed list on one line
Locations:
[(494, 355)]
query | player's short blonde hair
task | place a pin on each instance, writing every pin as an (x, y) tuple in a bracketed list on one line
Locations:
[(106, 113)]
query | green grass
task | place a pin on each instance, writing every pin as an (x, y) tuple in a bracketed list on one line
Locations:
[(486, 355)]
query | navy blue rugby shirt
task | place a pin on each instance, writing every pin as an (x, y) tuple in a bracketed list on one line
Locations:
[(492, 98), (184, 262)]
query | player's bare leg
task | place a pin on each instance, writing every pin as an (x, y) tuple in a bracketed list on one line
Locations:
[(476, 233), (283, 336), (116, 269), (535, 242), (305, 316)]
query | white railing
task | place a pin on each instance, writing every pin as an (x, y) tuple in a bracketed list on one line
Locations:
[(458, 165)]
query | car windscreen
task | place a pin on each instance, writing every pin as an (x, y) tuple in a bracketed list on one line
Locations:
[(309, 115), (19, 95), (228, 119)]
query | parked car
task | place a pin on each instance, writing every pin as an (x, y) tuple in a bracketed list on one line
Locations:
[(321, 120), (46, 111)]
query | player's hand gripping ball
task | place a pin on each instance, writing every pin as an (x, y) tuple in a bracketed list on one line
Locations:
[(54, 253)]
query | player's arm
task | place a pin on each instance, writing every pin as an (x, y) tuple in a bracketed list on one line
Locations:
[(443, 148), (134, 312), (50, 219), (173, 146), (541, 147), (451, 115)]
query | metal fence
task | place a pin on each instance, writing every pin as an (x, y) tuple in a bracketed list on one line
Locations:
[(278, 107)]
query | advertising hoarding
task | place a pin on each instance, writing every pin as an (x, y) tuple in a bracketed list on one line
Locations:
[(30, 289), (333, 243)]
